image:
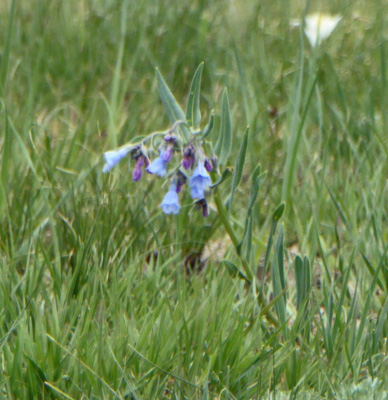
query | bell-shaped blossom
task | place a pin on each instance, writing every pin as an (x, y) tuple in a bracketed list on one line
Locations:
[(113, 157), (159, 165), (170, 203), (319, 27), (199, 181)]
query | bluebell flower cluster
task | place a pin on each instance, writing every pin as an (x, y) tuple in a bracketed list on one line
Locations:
[(193, 168)]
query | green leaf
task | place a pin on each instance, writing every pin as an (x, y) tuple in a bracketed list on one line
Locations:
[(239, 167), (256, 173), (6, 153), (275, 219), (209, 126), (248, 239), (234, 270), (193, 113), (247, 235), (7, 48), (278, 213), (225, 175), (380, 325), (255, 191), (173, 109), (224, 143), (279, 285), (298, 264), (302, 278)]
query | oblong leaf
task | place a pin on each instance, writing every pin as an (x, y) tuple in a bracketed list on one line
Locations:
[(209, 126), (239, 167), (193, 112), (173, 109), (224, 143)]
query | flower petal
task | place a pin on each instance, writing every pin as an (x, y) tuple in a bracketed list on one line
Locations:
[(158, 167), (170, 203), (113, 157)]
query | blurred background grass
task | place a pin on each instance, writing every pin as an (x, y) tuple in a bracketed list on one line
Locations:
[(90, 266)]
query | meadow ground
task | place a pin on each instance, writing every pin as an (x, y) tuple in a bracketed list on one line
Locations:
[(102, 295)]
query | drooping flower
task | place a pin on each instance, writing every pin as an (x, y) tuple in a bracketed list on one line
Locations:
[(170, 203), (199, 181), (319, 27), (159, 165), (114, 156)]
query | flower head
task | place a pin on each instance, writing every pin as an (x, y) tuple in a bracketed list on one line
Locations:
[(114, 156), (170, 203), (319, 27), (159, 165), (199, 181)]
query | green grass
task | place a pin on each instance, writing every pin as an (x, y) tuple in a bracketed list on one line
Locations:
[(99, 299)]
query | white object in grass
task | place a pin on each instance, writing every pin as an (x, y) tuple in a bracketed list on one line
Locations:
[(319, 27)]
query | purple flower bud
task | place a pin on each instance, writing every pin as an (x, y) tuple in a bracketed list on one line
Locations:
[(140, 161), (202, 204), (137, 173), (167, 154), (180, 181), (187, 162), (169, 138), (208, 165), (189, 150)]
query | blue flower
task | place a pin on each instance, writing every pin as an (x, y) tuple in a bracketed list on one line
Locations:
[(170, 203), (159, 165), (199, 181), (113, 157)]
